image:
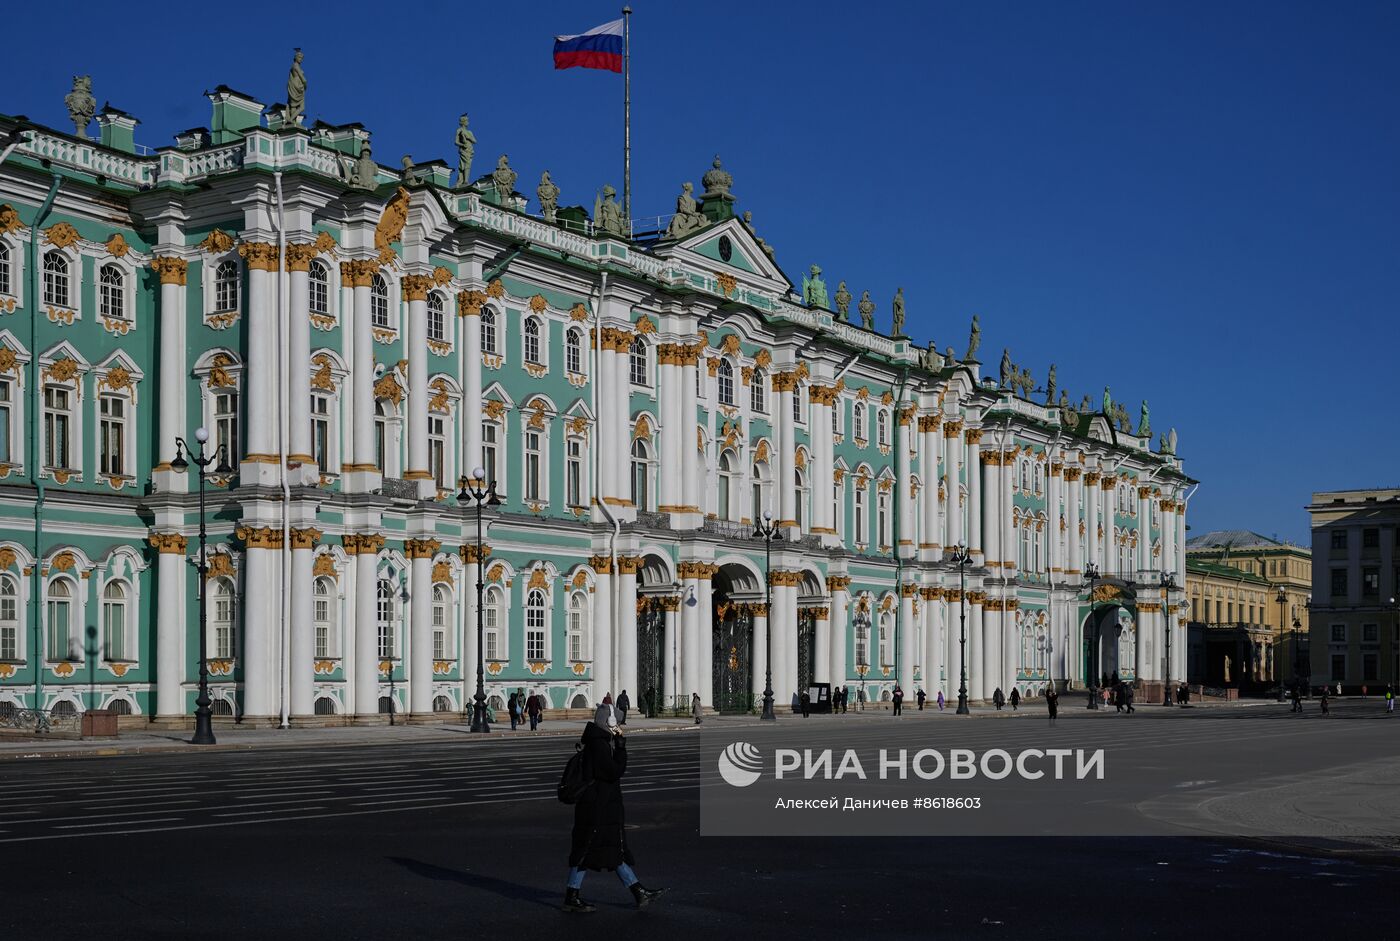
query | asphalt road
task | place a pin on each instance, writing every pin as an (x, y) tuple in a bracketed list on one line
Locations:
[(450, 841)]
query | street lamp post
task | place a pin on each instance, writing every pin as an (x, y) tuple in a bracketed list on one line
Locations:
[(961, 557), (1091, 575), (770, 533), (1282, 617), (1168, 586), (861, 622), (482, 494), (203, 722)]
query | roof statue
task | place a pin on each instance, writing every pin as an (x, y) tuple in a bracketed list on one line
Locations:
[(466, 149), (929, 359), (843, 301), (503, 178), (1084, 404), (366, 172), (1068, 415), (548, 195), (767, 249), (1050, 386), (1162, 443), (814, 289), (688, 217), (296, 91), (973, 341), (607, 214), (1171, 441), (81, 105), (1064, 397), (1144, 422), (717, 180), (867, 311), (1008, 371), (949, 357), (407, 164), (1107, 403), (897, 318), (1022, 382)]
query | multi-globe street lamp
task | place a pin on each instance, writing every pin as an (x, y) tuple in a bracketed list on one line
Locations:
[(1282, 619), (203, 722), (478, 491), (770, 533), (1091, 575), (960, 557), (1169, 585)]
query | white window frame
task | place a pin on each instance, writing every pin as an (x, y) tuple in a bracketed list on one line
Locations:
[(541, 628), (648, 461), (576, 644), (533, 342), (73, 411), (534, 450), (728, 485), (73, 615), (326, 626), (72, 276), (724, 375), (576, 471), (634, 361), (124, 653), (492, 327), (496, 625), (219, 590), (125, 426), (12, 262), (12, 626), (575, 352), (439, 316), (215, 303), (442, 623), (758, 392), (381, 303), (858, 421), (113, 302), (327, 308), (494, 443)]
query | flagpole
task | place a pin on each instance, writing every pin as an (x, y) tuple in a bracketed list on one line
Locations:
[(627, 117)]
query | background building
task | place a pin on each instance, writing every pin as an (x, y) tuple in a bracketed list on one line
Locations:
[(1356, 543), (356, 339)]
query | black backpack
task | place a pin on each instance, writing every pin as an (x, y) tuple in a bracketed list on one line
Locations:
[(575, 780)]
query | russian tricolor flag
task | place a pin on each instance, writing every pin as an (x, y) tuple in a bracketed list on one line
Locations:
[(599, 48)]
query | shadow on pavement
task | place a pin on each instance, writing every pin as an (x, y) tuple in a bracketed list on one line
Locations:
[(512, 891)]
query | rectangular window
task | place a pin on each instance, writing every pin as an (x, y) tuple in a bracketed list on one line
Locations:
[(534, 645), (1370, 633), (6, 404), (491, 632), (1339, 539), (439, 632), (1339, 667), (112, 435), (57, 427), (1339, 633), (573, 484), (1368, 666), (532, 466), (437, 450), (226, 425), (488, 452), (223, 626), (321, 615), (1370, 538), (321, 431), (1339, 583), (6, 280), (1370, 582)]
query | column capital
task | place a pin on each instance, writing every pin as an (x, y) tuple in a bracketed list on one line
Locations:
[(600, 564), (469, 303), (259, 537), (415, 287), (471, 556), (360, 272), (930, 422), (299, 256), (170, 270), (835, 583), (422, 548), (974, 435), (260, 256), (952, 429), (168, 543), (628, 564), (305, 538), (363, 543)]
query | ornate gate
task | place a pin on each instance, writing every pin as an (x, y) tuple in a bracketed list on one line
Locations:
[(733, 663), (806, 649), (651, 657)]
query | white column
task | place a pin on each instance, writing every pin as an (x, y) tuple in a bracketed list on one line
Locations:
[(1074, 489), (299, 363), (261, 606), (784, 480), (839, 627), (705, 633), (366, 550), (303, 648), (172, 377), (622, 420), (1092, 543), (931, 541), (935, 668), (908, 635), (1010, 647), (670, 676), (171, 624), (627, 627), (691, 497), (691, 586), (991, 666), (360, 275), (1144, 534), (420, 654), (760, 657), (467, 592), (820, 400), (469, 314), (1010, 538), (956, 613), (991, 515), (260, 375), (670, 477), (785, 597), (976, 535), (415, 288), (821, 666), (953, 530), (602, 629), (975, 676)]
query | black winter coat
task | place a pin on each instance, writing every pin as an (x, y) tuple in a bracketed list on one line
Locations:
[(599, 839)]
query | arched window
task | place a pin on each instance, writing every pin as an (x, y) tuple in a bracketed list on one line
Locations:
[(488, 331), (573, 471), (637, 362), (114, 621), (221, 619), (858, 421), (324, 706), (379, 302), (534, 466), (381, 435), (323, 617), (492, 621), (111, 301), (862, 643), (882, 522), (226, 286), (760, 490), (726, 382), (578, 627), (60, 619), (800, 482), (862, 537), (882, 428), (440, 622), (724, 502), (641, 474), (6, 270), (886, 640), (9, 618), (111, 434), (797, 404), (534, 625), (437, 318), (573, 352), (758, 395), (318, 282), (57, 284), (532, 340), (384, 618), (226, 424)]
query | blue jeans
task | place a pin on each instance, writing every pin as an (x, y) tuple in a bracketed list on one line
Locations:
[(624, 873)]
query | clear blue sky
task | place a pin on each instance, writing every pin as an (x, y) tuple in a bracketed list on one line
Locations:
[(1195, 203)]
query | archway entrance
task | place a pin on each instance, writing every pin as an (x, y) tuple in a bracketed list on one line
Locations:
[(655, 663), (1099, 644), (736, 599)]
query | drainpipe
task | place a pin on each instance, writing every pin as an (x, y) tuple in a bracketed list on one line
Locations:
[(598, 460), (283, 377), (34, 458), (901, 441)]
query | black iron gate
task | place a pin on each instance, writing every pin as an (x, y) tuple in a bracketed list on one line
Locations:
[(806, 649), (651, 658), (733, 663)]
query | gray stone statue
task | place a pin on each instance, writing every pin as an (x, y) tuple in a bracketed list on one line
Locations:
[(897, 318), (688, 217), (1162, 443), (930, 359), (407, 165), (717, 180), (466, 150), (296, 91), (503, 178), (607, 214), (814, 289), (1050, 386), (843, 301), (1171, 441), (867, 311), (949, 357), (548, 195), (1107, 403), (366, 172), (1084, 404), (973, 341), (767, 249), (1068, 416), (1007, 369), (1145, 422), (81, 105)]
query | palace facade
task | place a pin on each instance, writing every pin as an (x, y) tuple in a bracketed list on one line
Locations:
[(356, 339)]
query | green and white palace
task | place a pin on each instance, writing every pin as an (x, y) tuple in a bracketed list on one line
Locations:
[(356, 339)]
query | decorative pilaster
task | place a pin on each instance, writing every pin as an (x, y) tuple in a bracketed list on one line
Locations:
[(261, 610), (691, 493), (366, 548), (603, 601), (627, 567), (784, 430), (260, 372), (299, 364), (415, 290), (172, 274), (170, 623), (931, 535), (469, 304), (952, 458), (908, 637), (303, 649), (420, 667), (362, 474), (840, 588)]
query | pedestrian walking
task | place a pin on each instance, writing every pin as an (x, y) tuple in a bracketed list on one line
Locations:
[(1297, 697), (806, 703), (514, 714), (897, 697), (695, 709), (623, 704), (1015, 699), (860, 699), (998, 699), (533, 708), (1389, 699), (845, 699), (599, 838), (1128, 697), (940, 700), (1323, 701), (1052, 700), (920, 697)]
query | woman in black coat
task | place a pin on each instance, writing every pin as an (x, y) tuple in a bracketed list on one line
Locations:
[(599, 838)]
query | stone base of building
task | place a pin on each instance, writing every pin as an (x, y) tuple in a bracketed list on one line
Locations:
[(1148, 692)]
